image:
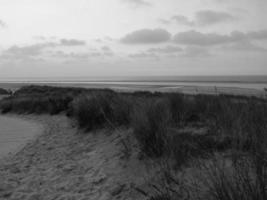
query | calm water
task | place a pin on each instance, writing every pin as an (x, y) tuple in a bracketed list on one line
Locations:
[(250, 82)]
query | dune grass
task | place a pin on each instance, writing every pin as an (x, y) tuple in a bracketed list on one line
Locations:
[(161, 122), (4, 91)]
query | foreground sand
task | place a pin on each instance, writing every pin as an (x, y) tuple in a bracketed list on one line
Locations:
[(15, 133), (65, 163)]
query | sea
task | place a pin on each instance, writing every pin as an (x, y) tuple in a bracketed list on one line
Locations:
[(255, 85)]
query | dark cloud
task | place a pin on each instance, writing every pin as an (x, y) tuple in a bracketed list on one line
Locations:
[(17, 52), (210, 17), (99, 40), (196, 52), (105, 48), (39, 37), (202, 18), (44, 38), (244, 46), (197, 38), (93, 53), (208, 39), (107, 51), (147, 36), (35, 50), (72, 42), (262, 34), (165, 50), (164, 21), (3, 24), (74, 56), (143, 55), (137, 2), (182, 20)]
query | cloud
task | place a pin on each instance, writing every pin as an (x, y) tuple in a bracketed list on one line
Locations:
[(208, 39), (244, 46), (16, 52), (105, 48), (138, 2), (2, 24), (143, 55), (44, 38), (147, 36), (196, 52), (165, 50), (202, 18), (201, 39), (182, 20), (74, 56), (103, 52), (107, 51), (164, 21), (262, 34), (35, 50), (72, 42), (209, 17)]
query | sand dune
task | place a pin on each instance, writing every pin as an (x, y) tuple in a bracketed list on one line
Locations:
[(14, 134), (65, 163)]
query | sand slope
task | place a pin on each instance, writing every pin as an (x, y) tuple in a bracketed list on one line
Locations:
[(14, 134), (64, 163)]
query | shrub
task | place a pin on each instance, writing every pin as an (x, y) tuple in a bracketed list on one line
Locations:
[(90, 111), (187, 109), (4, 91), (38, 105), (245, 124), (98, 109), (236, 181), (178, 108), (183, 147), (150, 122), (121, 107)]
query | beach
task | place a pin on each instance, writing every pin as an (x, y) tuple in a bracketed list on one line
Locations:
[(65, 163), (15, 132), (189, 87)]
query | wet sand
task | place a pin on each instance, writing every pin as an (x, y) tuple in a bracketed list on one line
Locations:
[(15, 133)]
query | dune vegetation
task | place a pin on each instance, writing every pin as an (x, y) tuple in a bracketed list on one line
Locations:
[(4, 91), (222, 137)]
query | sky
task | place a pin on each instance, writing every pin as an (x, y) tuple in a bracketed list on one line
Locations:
[(74, 38)]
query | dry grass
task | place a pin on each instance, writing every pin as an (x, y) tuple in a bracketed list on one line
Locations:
[(233, 124)]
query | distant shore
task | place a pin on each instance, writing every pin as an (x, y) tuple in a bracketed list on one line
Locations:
[(247, 89)]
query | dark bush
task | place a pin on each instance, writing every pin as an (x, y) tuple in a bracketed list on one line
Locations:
[(178, 108), (121, 107), (4, 91), (98, 109), (235, 182), (89, 112), (38, 105), (150, 122)]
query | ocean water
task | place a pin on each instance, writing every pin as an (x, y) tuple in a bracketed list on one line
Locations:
[(249, 82)]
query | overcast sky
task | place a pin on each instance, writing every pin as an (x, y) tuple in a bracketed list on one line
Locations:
[(41, 38)]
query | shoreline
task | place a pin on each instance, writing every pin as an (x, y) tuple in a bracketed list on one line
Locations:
[(247, 90)]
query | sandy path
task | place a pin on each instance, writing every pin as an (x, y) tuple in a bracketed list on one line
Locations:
[(14, 134), (67, 164)]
